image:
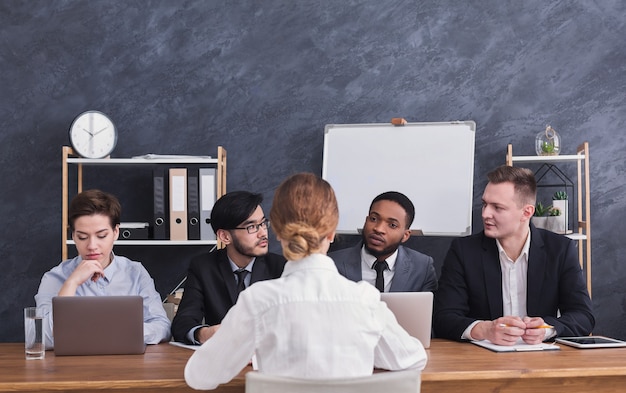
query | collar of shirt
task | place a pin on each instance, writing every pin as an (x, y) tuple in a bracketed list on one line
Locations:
[(368, 259), (524, 252), (368, 273), (248, 267), (248, 278), (313, 261), (109, 271)]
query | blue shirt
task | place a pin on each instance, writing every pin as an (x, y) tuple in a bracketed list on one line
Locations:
[(123, 277)]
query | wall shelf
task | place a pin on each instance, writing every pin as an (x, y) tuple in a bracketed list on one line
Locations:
[(70, 159), (566, 158)]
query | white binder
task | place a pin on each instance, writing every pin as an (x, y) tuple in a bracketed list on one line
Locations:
[(207, 200)]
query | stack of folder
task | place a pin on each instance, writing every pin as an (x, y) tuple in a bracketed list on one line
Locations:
[(183, 200)]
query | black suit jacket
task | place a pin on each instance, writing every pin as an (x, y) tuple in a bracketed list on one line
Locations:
[(211, 289), (470, 286)]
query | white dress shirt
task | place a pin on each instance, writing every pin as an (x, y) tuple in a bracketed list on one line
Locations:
[(309, 323), (122, 277), (368, 273), (514, 280), (514, 287)]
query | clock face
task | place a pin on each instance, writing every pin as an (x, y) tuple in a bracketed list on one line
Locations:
[(93, 135)]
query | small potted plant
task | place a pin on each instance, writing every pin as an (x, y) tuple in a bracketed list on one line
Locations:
[(548, 217), (539, 218), (555, 221), (559, 201), (548, 142)]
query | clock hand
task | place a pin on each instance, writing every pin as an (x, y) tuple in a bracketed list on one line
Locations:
[(96, 133), (87, 131)]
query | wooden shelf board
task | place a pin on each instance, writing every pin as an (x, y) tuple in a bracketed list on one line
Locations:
[(161, 242)]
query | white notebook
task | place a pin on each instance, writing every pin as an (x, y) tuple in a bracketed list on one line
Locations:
[(522, 347)]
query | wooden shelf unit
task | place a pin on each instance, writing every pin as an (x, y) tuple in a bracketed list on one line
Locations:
[(70, 158), (582, 231)]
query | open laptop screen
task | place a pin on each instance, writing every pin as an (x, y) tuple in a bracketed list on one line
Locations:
[(414, 312), (98, 325)]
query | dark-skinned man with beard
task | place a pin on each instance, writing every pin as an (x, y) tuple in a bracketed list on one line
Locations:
[(379, 258)]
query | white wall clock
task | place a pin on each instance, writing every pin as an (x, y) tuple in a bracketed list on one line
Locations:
[(93, 135)]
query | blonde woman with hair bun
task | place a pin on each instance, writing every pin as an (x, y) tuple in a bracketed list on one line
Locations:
[(304, 214), (311, 322)]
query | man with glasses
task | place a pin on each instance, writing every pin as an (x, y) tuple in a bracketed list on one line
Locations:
[(214, 280)]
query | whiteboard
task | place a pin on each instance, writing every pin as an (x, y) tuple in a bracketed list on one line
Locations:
[(431, 163)]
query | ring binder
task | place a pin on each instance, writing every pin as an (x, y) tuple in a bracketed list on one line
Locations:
[(193, 205), (178, 203), (160, 223)]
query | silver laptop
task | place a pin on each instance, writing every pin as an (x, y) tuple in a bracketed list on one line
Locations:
[(414, 312), (98, 325)]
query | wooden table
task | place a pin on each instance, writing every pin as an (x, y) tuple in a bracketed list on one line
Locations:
[(160, 369), (452, 367), (466, 368)]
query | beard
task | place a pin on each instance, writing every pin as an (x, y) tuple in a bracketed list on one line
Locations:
[(250, 251), (390, 249)]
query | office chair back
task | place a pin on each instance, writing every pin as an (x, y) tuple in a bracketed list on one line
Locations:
[(408, 381)]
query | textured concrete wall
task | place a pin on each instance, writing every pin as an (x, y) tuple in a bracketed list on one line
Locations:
[(262, 78)]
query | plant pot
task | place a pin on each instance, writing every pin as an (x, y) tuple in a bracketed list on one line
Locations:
[(562, 205), (556, 224), (551, 223), (539, 222)]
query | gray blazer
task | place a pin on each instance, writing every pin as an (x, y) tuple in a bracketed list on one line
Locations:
[(414, 271)]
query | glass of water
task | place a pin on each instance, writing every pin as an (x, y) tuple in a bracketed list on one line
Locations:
[(33, 333)]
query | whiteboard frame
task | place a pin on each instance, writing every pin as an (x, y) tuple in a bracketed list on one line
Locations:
[(362, 161)]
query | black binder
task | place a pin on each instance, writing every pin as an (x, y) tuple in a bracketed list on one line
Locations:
[(160, 225), (193, 205)]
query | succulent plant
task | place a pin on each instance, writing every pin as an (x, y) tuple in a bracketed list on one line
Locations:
[(541, 210), (560, 196), (554, 211), (547, 147)]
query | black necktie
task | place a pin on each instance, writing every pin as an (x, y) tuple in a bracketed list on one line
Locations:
[(241, 277), (380, 267)]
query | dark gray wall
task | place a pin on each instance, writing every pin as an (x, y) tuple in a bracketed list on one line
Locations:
[(262, 78)]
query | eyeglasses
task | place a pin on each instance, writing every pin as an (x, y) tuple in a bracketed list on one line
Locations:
[(254, 228)]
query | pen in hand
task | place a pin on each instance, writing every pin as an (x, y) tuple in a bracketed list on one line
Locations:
[(535, 327)]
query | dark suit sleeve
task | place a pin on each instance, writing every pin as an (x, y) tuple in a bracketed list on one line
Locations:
[(569, 292), (452, 297), (190, 311), (430, 283), (208, 297)]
